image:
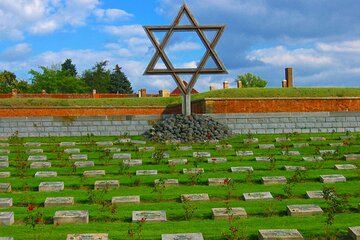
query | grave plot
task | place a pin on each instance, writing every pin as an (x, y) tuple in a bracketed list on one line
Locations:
[(94, 173), (257, 196), (82, 164), (149, 216), (5, 187), (226, 213), (300, 145), (167, 182), (201, 154), (352, 157), (193, 170), (83, 157), (146, 172), (45, 174), (105, 144), (6, 202), (106, 184), (354, 232), (178, 161), (185, 236), (35, 151), (72, 150), (294, 168), (6, 218), (134, 162), (244, 153), (88, 236), (273, 180), (71, 217), (333, 178), (275, 234), (67, 144), (59, 201), (314, 194), (304, 210), (217, 160), (125, 199), (242, 169), (266, 146), (195, 197), (5, 174), (4, 164), (122, 156), (51, 186), (219, 181), (37, 158), (345, 167)]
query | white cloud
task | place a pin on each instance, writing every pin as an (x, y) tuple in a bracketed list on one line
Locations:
[(17, 52), (125, 30), (342, 47), (109, 15), (184, 46)]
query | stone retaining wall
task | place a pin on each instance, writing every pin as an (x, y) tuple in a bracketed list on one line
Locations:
[(263, 123)]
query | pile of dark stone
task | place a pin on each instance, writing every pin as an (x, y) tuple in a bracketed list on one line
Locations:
[(187, 129)]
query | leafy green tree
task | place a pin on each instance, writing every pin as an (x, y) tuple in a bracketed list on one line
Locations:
[(119, 82), (249, 80), (98, 77), (53, 80), (69, 67), (7, 81)]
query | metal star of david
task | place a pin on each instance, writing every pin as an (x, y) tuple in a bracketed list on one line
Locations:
[(193, 27)]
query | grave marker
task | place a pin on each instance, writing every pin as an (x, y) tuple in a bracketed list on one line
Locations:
[(300, 145), (195, 197), (313, 159), (84, 164), (5, 174), (332, 178), (4, 164), (354, 232), (35, 151), (32, 144), (345, 167), (149, 216), (350, 157), (291, 153), (262, 159), (218, 181), (242, 169), (257, 196), (5, 187), (251, 140), (106, 184), (51, 186), (177, 161), (193, 170), (138, 142), (304, 210), (346, 137), (134, 162), (71, 217), (35, 165), (59, 201), (122, 156), (327, 152), (83, 157), (185, 148), (6, 238), (45, 174), (226, 213), (244, 153), (201, 154), (146, 149), (223, 147), (72, 150), (37, 158), (315, 194), (146, 172), (6, 202), (336, 144), (4, 151), (88, 236), (67, 144), (294, 168), (266, 146), (6, 218), (274, 180), (182, 236), (317, 139), (125, 199), (124, 140), (217, 160), (4, 145), (168, 182), (280, 140), (94, 173), (4, 158), (112, 150), (276, 234), (164, 155), (105, 144)]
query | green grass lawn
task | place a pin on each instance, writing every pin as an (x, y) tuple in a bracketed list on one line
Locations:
[(105, 218), (155, 101)]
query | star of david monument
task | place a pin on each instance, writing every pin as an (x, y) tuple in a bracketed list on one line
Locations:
[(210, 53)]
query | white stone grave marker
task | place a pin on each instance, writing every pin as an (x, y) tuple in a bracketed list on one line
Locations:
[(277, 234), (225, 213), (168, 182), (125, 199), (5, 174), (94, 173), (149, 216), (45, 174), (6, 202), (67, 144), (201, 154), (4, 164), (182, 236), (6, 218), (354, 232), (51, 186), (134, 162), (177, 161), (294, 168), (185, 148), (217, 160), (345, 167), (313, 159), (193, 170), (257, 196), (5, 187), (4, 151), (72, 150), (304, 210), (251, 140), (32, 144), (273, 180), (84, 164), (350, 157), (37, 158), (244, 153), (242, 169), (83, 157), (122, 156), (300, 145), (106, 184), (146, 172), (332, 178), (266, 146), (219, 181), (195, 197), (88, 236), (315, 194), (146, 149), (105, 144), (71, 217), (318, 139), (59, 201)]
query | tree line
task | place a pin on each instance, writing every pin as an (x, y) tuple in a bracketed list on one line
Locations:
[(65, 79)]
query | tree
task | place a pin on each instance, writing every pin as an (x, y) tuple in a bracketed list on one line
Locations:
[(69, 68), (98, 77), (54, 80), (119, 82), (249, 80), (7, 81)]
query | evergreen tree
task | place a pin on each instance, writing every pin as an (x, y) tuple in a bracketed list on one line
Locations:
[(98, 77), (69, 67), (119, 82)]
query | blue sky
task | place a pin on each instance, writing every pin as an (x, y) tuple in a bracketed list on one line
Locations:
[(319, 39)]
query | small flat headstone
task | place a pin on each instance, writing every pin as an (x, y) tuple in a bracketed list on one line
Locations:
[(279, 140), (149, 216), (317, 139), (273, 180), (35, 151), (350, 157), (138, 142), (266, 146), (112, 150), (134, 162), (313, 159), (345, 167), (346, 137), (291, 153), (262, 159), (72, 150), (71, 217), (125, 199), (45, 174), (224, 147), (226, 213), (4, 158), (88, 236), (336, 144), (193, 170), (6, 238), (106, 184), (185, 148), (294, 168), (300, 145), (257, 196), (40, 165), (122, 156), (304, 209), (37, 158), (242, 169), (4, 151), (4, 145), (168, 182), (51, 186), (164, 155), (213, 141), (32, 144), (332, 178), (58, 201), (4, 164), (177, 161), (5, 187), (83, 157), (327, 152), (5, 174), (94, 173), (217, 160), (195, 197), (6, 202), (124, 140), (146, 172), (184, 236), (67, 144), (105, 144), (218, 181), (201, 154), (84, 164), (244, 153), (251, 140), (172, 142), (6, 218), (146, 149), (354, 232), (315, 194), (275, 234)]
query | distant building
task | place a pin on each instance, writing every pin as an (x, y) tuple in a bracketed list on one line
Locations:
[(177, 92)]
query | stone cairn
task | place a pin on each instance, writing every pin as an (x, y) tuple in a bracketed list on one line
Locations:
[(187, 129)]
